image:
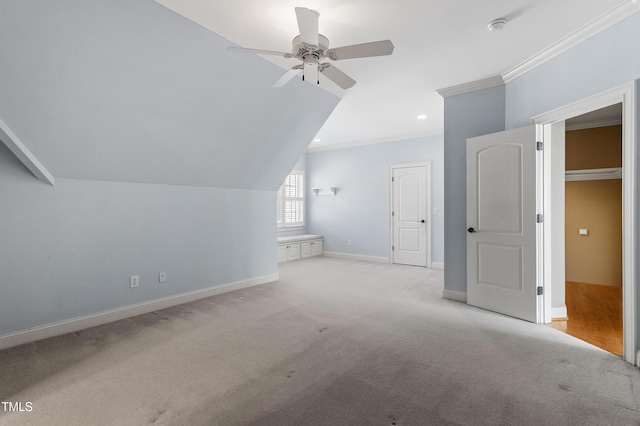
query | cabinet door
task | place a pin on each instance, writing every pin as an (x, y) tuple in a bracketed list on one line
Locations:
[(282, 252), (305, 250), (316, 248), (293, 251)]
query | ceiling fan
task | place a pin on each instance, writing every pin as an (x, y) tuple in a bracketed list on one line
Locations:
[(310, 47)]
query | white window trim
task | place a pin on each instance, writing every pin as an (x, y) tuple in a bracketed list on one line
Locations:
[(296, 225)]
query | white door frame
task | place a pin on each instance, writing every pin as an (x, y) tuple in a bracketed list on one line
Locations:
[(427, 225), (625, 94)]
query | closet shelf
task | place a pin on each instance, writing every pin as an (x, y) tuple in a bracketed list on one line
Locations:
[(593, 174)]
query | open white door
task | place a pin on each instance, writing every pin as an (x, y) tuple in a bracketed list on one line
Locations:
[(502, 254)]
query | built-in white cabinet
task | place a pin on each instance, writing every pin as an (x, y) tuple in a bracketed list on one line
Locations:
[(289, 251), (282, 252), (305, 250), (293, 251), (311, 248), (299, 246), (316, 248)]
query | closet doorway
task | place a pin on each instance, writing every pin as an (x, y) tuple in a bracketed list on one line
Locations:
[(593, 229)]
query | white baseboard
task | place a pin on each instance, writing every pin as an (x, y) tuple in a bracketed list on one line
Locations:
[(637, 359), (458, 296), (559, 312), (376, 259), (437, 265), (75, 324)]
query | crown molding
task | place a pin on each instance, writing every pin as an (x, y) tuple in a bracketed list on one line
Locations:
[(371, 141), (471, 86), (608, 19), (615, 95)]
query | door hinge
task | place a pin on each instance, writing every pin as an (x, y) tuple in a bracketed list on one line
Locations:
[(539, 218), (393, 179), (393, 213), (393, 248), (539, 146), (539, 291)]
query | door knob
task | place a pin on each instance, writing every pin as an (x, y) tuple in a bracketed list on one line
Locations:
[(471, 230), (422, 221)]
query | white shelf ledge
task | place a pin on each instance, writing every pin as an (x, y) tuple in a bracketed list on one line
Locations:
[(325, 190), (594, 174)]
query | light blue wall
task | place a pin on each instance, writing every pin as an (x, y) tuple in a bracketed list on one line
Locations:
[(465, 116), (360, 209), (130, 91), (167, 150), (68, 251), (301, 164), (602, 62), (606, 60)]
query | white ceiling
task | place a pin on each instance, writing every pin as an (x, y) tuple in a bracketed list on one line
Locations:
[(438, 44)]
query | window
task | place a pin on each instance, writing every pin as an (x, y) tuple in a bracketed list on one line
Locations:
[(291, 201)]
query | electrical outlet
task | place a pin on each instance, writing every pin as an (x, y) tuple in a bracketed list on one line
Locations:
[(435, 210), (350, 243), (134, 281), (162, 277)]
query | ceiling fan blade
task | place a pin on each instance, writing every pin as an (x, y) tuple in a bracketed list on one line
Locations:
[(308, 25), (285, 77), (338, 77), (259, 51), (364, 50)]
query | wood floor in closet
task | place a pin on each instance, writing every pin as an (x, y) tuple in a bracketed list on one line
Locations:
[(594, 315)]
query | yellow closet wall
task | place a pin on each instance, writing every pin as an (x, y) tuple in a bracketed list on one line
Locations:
[(595, 205)]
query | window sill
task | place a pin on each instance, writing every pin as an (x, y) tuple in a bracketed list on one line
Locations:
[(291, 228)]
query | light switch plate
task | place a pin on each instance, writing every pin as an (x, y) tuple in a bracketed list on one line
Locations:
[(583, 231)]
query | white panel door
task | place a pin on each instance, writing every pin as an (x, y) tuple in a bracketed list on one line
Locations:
[(501, 222), (410, 216)]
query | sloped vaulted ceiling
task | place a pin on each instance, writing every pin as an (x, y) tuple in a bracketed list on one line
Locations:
[(126, 90)]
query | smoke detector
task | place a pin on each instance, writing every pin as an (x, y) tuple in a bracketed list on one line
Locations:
[(497, 24)]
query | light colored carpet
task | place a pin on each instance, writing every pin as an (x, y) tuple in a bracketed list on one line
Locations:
[(334, 342)]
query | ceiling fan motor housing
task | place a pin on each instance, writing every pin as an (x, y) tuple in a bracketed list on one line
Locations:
[(310, 55)]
